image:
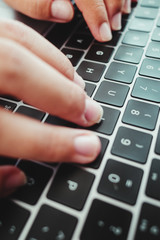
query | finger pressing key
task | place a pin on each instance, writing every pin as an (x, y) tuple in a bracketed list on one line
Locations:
[(30, 139)]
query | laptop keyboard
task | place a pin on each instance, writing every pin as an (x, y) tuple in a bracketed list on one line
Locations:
[(116, 196)]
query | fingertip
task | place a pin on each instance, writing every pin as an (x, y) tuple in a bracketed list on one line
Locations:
[(105, 32), (93, 111), (127, 7), (116, 21), (87, 148), (62, 11)]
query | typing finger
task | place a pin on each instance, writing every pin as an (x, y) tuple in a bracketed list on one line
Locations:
[(114, 10), (95, 14), (34, 42), (30, 139), (10, 179), (27, 77), (56, 10)]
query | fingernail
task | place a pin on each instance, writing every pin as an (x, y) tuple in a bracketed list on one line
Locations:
[(93, 111), (78, 80), (105, 32), (61, 10), (127, 7), (116, 21), (14, 180), (87, 145)]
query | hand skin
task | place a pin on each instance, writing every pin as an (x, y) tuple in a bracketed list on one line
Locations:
[(31, 62), (30, 69), (102, 16)]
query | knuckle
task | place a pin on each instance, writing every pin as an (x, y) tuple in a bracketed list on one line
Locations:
[(15, 30), (11, 26)]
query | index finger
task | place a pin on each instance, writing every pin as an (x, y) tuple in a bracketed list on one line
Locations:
[(96, 17)]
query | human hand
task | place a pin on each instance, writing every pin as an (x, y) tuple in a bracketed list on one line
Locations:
[(33, 70), (102, 16)]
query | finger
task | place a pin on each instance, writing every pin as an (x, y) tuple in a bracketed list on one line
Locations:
[(34, 42), (30, 139), (10, 179), (95, 14), (114, 9), (27, 77), (55, 10), (127, 6)]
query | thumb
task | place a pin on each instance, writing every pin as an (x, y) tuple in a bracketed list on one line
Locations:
[(55, 10), (10, 179)]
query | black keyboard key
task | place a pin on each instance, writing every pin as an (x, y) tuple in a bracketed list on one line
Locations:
[(7, 105), (115, 38), (136, 38), (141, 114), (142, 25), (149, 3), (132, 144), (111, 93), (96, 163), (153, 50), (108, 122), (71, 186), (156, 34), (51, 224), (37, 178), (120, 181), (113, 42), (147, 89), (10, 98), (12, 220), (148, 225), (91, 71), (150, 68), (146, 12), (124, 21), (73, 55), (83, 28), (89, 88), (106, 221), (157, 148), (31, 112), (80, 41), (129, 54), (154, 180), (61, 32), (7, 161), (121, 72), (99, 53), (59, 122)]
